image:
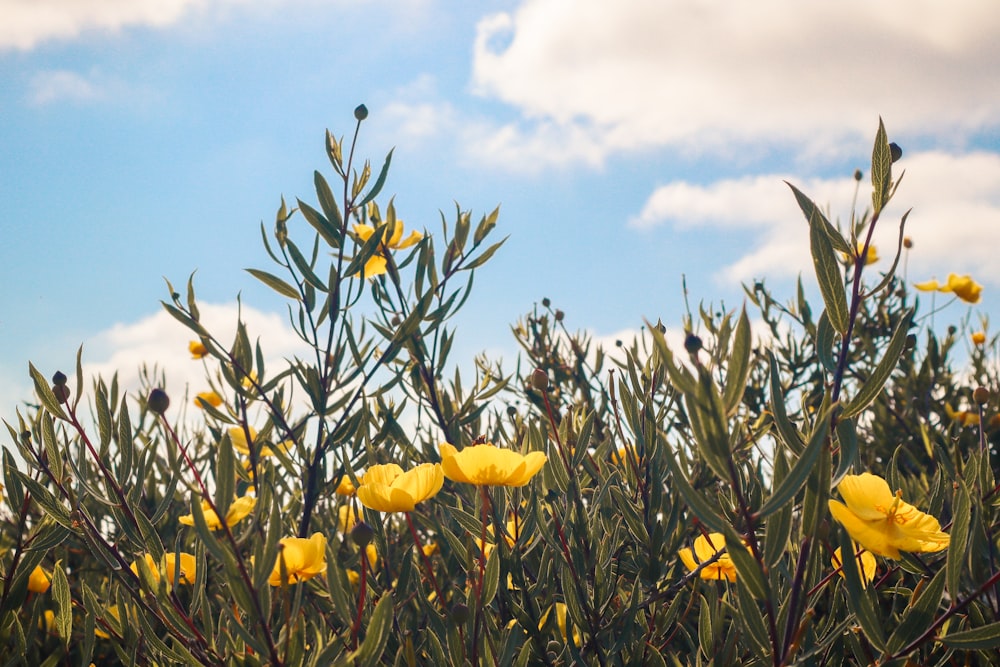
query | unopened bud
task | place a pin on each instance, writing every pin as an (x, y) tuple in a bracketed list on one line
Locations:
[(362, 534), (59, 379), (459, 614), (911, 340), (559, 315), (857, 174), (981, 395), (907, 242), (61, 391), (895, 152), (539, 379), (692, 344), (158, 401), (546, 302), (360, 112)]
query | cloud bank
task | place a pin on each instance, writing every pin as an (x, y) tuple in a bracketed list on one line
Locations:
[(590, 78)]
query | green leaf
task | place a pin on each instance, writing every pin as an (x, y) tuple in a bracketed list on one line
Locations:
[(799, 473), (46, 500), (377, 633), (739, 365), (870, 390), (747, 568), (275, 283), (304, 267), (959, 545), (881, 170), (701, 508), (484, 256), (861, 598), (64, 603), (986, 636), (328, 203), (829, 276), (379, 182), (919, 615), (825, 340), (491, 580), (319, 222), (811, 211), (789, 434)]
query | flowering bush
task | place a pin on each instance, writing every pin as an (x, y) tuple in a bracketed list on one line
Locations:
[(639, 506)]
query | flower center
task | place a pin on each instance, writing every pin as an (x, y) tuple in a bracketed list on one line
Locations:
[(890, 513)]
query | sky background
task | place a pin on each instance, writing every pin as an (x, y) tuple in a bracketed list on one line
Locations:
[(627, 143)]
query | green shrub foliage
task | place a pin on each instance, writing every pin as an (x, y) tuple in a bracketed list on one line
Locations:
[(682, 514)]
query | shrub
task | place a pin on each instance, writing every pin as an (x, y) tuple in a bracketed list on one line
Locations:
[(645, 505)]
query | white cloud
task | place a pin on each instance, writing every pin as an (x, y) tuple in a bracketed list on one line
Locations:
[(26, 24), (955, 223), (590, 77), (63, 85)]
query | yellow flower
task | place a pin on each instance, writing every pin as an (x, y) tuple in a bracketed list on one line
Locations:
[(187, 570), (978, 337), (964, 417), (38, 580), (239, 438), (346, 487), (430, 549), (376, 264), (964, 287), (386, 488), (371, 554), (113, 612), (347, 517), (871, 257), (867, 564), (304, 559), (238, 510), (620, 455), (705, 549), (48, 622), (488, 465), (881, 522), (197, 349), (209, 397)]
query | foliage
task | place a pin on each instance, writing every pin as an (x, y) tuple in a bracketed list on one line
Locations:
[(650, 453)]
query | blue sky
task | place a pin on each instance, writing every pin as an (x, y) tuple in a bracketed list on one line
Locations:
[(627, 143)]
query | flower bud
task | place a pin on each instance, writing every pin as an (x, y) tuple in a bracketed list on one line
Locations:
[(539, 379), (362, 534), (692, 344), (459, 614), (911, 340), (857, 174), (61, 391), (59, 379), (559, 315), (546, 302), (981, 395), (907, 242), (158, 401), (895, 152), (360, 112)]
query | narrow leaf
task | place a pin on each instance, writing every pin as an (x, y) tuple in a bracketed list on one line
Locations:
[(275, 283), (828, 275), (739, 365), (870, 390), (799, 473)]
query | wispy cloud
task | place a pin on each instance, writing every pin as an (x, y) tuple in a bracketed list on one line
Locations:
[(591, 78), (63, 85), (955, 223)]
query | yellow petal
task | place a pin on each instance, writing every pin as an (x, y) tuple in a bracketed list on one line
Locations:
[(868, 495), (239, 438), (488, 465), (364, 232), (197, 349), (209, 397), (303, 559), (929, 286), (383, 474), (421, 482), (872, 535), (411, 240)]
